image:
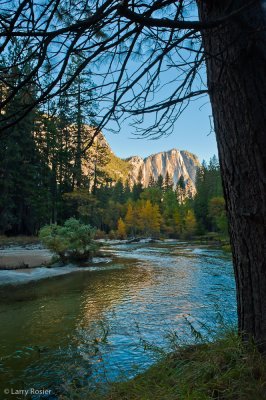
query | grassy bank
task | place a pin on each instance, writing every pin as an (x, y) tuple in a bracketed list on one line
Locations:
[(225, 370), (20, 240)]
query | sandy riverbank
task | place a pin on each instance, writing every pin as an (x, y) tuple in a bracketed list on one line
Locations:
[(21, 264), (21, 257)]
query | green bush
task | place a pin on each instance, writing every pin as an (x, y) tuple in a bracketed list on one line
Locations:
[(72, 241)]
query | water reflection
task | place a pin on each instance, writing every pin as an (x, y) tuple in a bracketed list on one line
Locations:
[(96, 325)]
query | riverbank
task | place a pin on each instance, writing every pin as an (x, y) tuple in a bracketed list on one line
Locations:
[(223, 370), (22, 252), (16, 257), (31, 262)]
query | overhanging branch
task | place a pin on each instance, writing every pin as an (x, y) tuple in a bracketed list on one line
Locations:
[(176, 24)]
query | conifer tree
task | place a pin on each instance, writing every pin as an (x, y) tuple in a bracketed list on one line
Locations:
[(179, 222), (127, 191), (151, 182), (118, 192), (160, 182), (22, 179), (181, 190), (154, 194), (168, 182), (190, 223), (138, 187), (208, 185)]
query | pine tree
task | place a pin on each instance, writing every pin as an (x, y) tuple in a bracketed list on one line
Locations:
[(156, 221), (136, 191), (181, 182), (154, 194), (181, 190), (208, 185), (160, 181), (99, 158), (151, 182), (127, 191), (118, 192), (179, 222), (168, 182), (169, 205), (81, 113), (22, 173)]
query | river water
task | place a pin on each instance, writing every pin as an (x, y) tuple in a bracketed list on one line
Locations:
[(110, 321)]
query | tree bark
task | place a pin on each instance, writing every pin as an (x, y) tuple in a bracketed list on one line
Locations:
[(236, 71)]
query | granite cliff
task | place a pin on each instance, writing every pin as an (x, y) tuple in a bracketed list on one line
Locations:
[(174, 161)]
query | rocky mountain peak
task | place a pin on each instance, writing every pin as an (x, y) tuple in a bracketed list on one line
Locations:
[(174, 162)]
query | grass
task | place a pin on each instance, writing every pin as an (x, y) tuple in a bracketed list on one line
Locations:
[(18, 240), (213, 239), (226, 369)]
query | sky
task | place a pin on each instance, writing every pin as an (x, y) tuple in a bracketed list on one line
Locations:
[(192, 132)]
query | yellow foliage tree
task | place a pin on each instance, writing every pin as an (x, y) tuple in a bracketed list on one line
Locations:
[(130, 219), (121, 229), (151, 218), (138, 217)]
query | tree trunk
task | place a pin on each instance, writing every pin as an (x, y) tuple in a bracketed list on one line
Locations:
[(236, 71)]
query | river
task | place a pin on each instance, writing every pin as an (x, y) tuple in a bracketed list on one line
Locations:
[(111, 321)]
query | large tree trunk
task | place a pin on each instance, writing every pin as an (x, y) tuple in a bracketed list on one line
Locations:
[(236, 69)]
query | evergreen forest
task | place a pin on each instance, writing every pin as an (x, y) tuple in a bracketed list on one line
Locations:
[(52, 168)]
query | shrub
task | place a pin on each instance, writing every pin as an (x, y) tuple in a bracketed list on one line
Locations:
[(100, 234), (112, 235), (72, 241)]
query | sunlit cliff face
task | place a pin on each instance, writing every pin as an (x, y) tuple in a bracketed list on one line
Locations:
[(174, 161)]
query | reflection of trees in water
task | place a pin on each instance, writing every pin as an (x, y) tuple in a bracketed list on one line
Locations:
[(108, 289), (48, 311), (91, 315), (51, 317)]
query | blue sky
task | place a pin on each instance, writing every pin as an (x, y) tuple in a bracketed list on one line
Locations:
[(192, 133)]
